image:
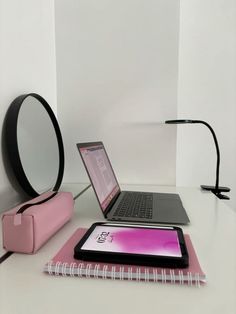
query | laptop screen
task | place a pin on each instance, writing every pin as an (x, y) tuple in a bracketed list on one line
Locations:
[(100, 172)]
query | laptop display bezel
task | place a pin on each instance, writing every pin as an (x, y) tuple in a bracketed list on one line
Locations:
[(113, 200)]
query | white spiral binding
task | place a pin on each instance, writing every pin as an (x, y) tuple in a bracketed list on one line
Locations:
[(121, 272), (146, 274), (190, 279), (163, 276), (155, 275), (63, 269), (104, 272), (130, 273), (80, 269), (96, 270), (88, 271), (181, 277), (77, 271), (113, 272), (49, 268), (72, 269), (57, 268), (172, 276), (138, 274), (198, 280)]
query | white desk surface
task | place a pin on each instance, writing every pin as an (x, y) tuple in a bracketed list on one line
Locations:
[(24, 288)]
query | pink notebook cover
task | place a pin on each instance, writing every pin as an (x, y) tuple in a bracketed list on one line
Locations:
[(63, 263)]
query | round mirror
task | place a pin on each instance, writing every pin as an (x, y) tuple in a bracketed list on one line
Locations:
[(34, 144)]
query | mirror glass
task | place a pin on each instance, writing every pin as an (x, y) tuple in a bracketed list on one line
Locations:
[(37, 144), (34, 144)]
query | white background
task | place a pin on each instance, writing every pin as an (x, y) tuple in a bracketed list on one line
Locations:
[(117, 65), (207, 91), (27, 63), (120, 66)]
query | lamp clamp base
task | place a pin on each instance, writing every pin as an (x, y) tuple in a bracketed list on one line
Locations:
[(218, 191)]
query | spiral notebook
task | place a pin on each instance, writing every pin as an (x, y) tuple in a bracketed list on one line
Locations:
[(64, 264)]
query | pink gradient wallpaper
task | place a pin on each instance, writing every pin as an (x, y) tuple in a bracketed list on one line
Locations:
[(134, 240)]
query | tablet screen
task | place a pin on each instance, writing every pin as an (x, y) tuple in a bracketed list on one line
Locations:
[(134, 240)]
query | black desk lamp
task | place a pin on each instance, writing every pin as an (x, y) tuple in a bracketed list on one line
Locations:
[(214, 189)]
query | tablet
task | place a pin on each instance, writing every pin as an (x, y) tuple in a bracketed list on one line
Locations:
[(133, 244)]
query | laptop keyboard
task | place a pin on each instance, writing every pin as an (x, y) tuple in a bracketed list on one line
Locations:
[(135, 204)]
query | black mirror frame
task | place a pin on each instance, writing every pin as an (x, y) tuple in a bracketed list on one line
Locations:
[(11, 143)]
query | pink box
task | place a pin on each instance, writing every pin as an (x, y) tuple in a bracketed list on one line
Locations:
[(26, 232)]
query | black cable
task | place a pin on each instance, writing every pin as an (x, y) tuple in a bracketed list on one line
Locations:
[(5, 256), (80, 193)]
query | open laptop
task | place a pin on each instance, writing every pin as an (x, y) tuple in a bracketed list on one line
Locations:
[(126, 206)]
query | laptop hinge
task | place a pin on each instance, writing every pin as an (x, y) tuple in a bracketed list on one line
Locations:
[(110, 206)]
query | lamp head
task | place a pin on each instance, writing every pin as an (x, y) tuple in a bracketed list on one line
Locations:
[(182, 121)]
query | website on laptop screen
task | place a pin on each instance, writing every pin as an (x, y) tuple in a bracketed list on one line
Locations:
[(101, 173)]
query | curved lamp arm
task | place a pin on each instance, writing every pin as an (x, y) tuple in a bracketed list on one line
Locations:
[(215, 189)]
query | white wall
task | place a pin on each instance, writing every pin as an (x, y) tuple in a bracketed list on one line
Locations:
[(117, 68), (27, 63), (117, 64), (207, 91)]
